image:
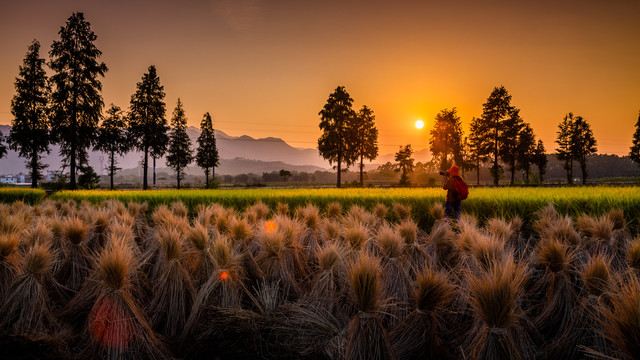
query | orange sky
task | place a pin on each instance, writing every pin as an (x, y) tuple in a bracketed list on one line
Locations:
[(266, 67)]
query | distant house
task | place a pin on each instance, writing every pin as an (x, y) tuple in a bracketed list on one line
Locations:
[(13, 179), (8, 179)]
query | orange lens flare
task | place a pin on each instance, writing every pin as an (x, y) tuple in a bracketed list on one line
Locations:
[(224, 275), (270, 226)]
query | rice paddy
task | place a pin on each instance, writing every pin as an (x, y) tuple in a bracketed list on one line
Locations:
[(321, 274)]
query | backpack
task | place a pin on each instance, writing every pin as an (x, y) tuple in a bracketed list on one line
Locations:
[(462, 190)]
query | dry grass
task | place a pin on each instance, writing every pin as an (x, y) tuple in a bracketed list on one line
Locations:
[(403, 212), (334, 210)]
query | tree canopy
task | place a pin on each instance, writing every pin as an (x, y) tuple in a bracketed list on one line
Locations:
[(634, 152), (113, 139), (29, 134), (336, 122), (495, 111), (207, 153), (147, 123), (179, 153), (582, 144), (446, 139), (76, 100), (366, 138), (404, 164)]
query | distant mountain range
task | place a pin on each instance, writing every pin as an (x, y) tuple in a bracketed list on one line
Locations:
[(238, 154)]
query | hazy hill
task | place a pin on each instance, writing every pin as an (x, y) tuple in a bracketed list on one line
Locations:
[(274, 152)]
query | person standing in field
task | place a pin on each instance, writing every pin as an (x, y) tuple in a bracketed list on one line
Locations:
[(457, 191)]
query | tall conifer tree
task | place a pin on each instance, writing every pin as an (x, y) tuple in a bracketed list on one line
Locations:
[(541, 160), (446, 139), (147, 123), (563, 139), (76, 101), (477, 146), (494, 113), (336, 122), (179, 153), (582, 144), (30, 127), (113, 139), (634, 152), (509, 139), (366, 139), (526, 150), (207, 153)]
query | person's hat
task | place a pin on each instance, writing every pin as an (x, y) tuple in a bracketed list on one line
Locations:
[(454, 171)]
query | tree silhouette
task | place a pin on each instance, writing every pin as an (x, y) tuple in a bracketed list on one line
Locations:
[(337, 139), (582, 144), (207, 153), (477, 146), (494, 113), (179, 153), (3, 148), (540, 159), (512, 126), (404, 164), (285, 174), (29, 134), (563, 139), (526, 150), (76, 102), (446, 138), (113, 139), (366, 140), (634, 152), (147, 123)]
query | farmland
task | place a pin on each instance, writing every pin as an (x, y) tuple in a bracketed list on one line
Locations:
[(320, 274)]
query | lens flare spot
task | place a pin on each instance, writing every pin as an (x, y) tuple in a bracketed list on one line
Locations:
[(270, 226), (224, 275), (110, 326)]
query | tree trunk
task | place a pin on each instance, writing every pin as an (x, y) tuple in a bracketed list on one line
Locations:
[(72, 167), (583, 166), (513, 171), (34, 169), (154, 172), (478, 172), (112, 169), (361, 170), (206, 176), (178, 178), (145, 165), (338, 185), (496, 174)]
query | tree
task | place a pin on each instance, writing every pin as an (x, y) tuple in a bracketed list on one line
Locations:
[(477, 146), (494, 114), (113, 139), (179, 154), (3, 148), (563, 139), (446, 138), (526, 150), (540, 159), (582, 144), (366, 139), (147, 123), (76, 102), (284, 174), (405, 164), (634, 152), (512, 126), (337, 139), (88, 178), (207, 153), (29, 134)]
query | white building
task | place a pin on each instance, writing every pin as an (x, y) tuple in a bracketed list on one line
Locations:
[(13, 179)]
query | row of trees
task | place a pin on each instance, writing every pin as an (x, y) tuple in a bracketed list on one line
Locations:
[(66, 109), (499, 136)]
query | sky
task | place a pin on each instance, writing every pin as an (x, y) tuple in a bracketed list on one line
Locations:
[(266, 67)]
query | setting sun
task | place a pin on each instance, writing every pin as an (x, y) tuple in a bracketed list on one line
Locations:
[(419, 124)]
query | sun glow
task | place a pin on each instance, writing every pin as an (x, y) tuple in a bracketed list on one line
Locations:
[(419, 124)]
